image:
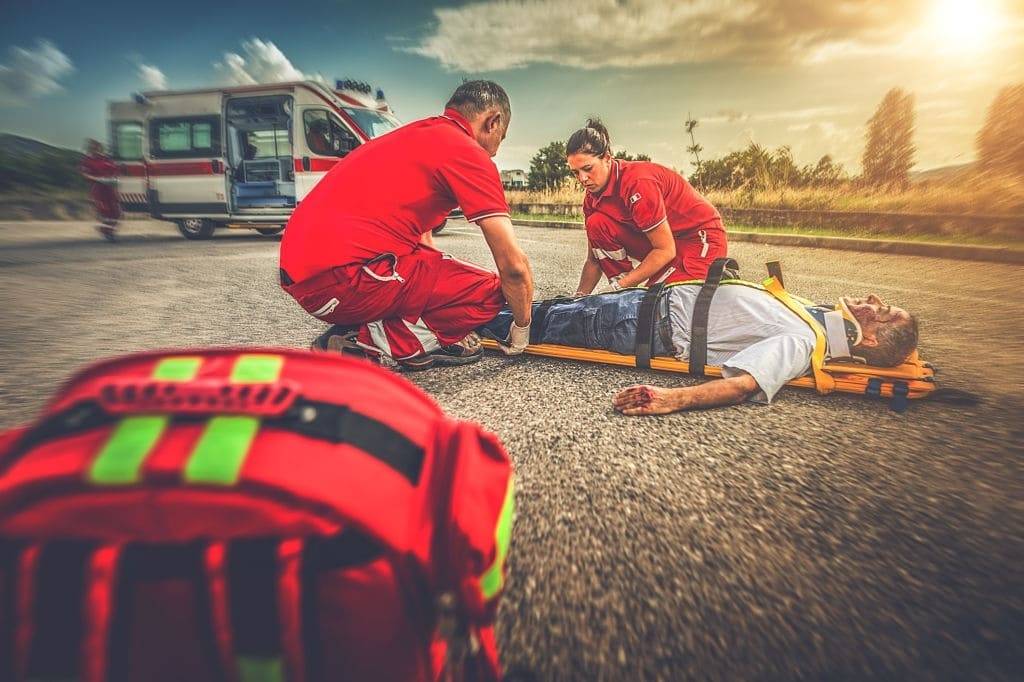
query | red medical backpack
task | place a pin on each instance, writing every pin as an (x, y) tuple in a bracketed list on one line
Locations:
[(249, 515)]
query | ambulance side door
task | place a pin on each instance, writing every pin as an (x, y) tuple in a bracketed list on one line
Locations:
[(186, 171), (322, 139), (127, 146)]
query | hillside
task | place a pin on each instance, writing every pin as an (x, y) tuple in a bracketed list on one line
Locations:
[(16, 145), (943, 173), (27, 165)]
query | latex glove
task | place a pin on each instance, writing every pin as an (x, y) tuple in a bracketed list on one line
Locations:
[(517, 341), (613, 285)]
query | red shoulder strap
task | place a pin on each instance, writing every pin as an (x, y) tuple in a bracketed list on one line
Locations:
[(289, 607), (100, 589), (215, 567), (24, 601)]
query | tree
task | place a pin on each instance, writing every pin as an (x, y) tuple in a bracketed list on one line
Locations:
[(824, 174), (625, 156), (694, 148), (548, 168), (1001, 140), (889, 152)]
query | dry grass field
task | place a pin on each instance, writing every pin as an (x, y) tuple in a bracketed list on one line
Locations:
[(966, 192)]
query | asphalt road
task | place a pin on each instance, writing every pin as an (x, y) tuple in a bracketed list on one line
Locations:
[(816, 538)]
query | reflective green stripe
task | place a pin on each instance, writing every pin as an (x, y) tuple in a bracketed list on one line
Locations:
[(251, 369), (492, 581), (120, 460), (260, 669), (220, 453), (178, 369), (221, 450)]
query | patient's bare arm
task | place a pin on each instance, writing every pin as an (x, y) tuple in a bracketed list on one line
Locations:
[(641, 400)]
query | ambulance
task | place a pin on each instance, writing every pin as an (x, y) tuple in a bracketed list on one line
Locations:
[(238, 157)]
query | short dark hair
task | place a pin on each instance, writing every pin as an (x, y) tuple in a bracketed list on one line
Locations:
[(590, 139), (475, 97), (896, 341)]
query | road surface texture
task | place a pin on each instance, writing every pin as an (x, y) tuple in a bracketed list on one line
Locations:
[(815, 538)]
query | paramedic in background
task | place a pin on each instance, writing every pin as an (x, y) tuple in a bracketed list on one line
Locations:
[(101, 172), (354, 252), (640, 211), (318, 138)]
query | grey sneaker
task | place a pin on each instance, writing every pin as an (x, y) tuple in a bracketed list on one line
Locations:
[(455, 354)]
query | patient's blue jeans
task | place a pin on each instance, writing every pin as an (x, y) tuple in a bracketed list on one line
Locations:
[(605, 322)]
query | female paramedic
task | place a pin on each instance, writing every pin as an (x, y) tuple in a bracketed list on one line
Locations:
[(640, 211)]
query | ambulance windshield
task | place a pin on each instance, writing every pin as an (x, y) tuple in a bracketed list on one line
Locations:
[(373, 123)]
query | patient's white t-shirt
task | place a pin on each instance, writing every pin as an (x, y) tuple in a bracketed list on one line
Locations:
[(749, 330)]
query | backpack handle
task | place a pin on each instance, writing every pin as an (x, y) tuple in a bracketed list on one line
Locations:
[(197, 397)]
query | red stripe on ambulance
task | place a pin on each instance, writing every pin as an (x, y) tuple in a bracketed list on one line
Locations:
[(184, 168), (316, 165)]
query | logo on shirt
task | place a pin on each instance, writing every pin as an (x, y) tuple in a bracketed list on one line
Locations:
[(635, 198)]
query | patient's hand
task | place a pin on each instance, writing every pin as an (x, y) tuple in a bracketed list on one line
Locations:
[(641, 400)]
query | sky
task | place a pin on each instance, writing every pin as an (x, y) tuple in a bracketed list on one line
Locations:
[(802, 73)]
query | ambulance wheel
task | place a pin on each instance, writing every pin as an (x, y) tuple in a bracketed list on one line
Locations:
[(270, 231), (196, 228)]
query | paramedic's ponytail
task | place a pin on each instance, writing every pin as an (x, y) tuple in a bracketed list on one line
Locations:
[(590, 139)]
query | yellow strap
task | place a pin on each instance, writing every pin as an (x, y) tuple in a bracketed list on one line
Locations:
[(823, 382)]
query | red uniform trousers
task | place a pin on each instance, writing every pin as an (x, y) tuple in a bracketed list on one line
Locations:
[(404, 305), (616, 245), (106, 202)]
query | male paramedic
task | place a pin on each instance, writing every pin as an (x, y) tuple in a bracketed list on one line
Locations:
[(357, 252), (759, 342)]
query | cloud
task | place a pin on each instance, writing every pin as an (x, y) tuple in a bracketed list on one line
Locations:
[(152, 77), (734, 116), (726, 116), (33, 73), (263, 62), (506, 34)]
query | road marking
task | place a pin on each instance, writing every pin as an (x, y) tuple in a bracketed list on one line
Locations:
[(477, 233)]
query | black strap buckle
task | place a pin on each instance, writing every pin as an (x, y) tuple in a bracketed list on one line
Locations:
[(645, 325), (701, 308)]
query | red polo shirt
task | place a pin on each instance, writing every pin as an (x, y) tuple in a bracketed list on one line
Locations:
[(99, 166), (389, 191), (642, 194)]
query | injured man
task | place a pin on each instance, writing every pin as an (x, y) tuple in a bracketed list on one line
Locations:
[(757, 340)]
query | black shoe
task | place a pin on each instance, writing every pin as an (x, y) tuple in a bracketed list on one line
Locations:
[(338, 339), (109, 233), (454, 354)]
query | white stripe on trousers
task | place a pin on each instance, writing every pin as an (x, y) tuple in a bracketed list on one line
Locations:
[(379, 337), (424, 335), (618, 254)]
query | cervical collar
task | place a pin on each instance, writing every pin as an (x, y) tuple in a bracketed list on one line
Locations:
[(842, 331), (849, 317)]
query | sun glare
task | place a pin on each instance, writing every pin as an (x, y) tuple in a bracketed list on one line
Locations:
[(964, 25)]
